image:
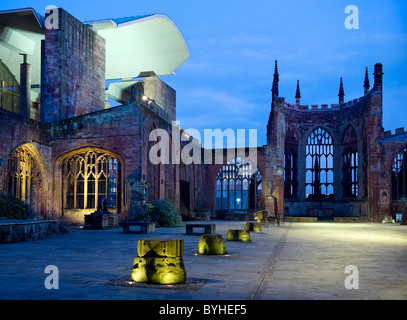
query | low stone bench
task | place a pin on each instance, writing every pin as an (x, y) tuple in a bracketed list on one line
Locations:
[(101, 221), (211, 244), (204, 228), (138, 227), (253, 226), (238, 235), (160, 261)]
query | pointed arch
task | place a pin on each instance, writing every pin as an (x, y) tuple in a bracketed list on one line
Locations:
[(291, 163), (88, 176), (399, 175), (350, 160), (25, 176), (319, 157)]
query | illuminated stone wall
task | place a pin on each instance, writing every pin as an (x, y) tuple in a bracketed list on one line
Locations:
[(364, 116), (72, 70)]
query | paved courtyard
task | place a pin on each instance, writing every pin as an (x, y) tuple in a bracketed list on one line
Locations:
[(298, 261)]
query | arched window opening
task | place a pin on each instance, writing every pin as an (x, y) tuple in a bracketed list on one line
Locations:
[(350, 164), (290, 164), (399, 176), (238, 186), (21, 172), (90, 177), (319, 176)]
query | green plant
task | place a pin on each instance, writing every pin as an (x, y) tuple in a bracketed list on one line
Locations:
[(13, 207), (164, 213)]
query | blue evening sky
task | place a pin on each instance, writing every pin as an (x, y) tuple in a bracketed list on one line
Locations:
[(233, 45)]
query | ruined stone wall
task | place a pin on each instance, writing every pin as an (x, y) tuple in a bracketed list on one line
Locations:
[(365, 116), (392, 145), (115, 130), (162, 94), (72, 70), (125, 132), (210, 170), (16, 131)]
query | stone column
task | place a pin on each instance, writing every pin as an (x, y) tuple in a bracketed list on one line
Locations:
[(274, 178)]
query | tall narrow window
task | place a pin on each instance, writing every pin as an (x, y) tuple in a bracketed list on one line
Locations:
[(290, 164), (237, 185), (399, 176), (319, 175), (21, 170), (90, 177), (350, 163)]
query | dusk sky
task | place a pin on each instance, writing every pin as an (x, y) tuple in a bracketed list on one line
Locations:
[(226, 81)]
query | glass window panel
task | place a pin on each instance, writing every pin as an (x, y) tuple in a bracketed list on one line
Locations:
[(231, 199), (245, 199)]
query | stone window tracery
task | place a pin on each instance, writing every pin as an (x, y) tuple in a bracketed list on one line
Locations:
[(399, 176), (290, 164), (90, 177), (319, 177), (238, 185), (21, 170), (350, 164)]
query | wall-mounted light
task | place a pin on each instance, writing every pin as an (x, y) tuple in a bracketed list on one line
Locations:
[(146, 99)]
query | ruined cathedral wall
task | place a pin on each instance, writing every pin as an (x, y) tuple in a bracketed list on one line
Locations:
[(72, 70), (392, 145), (123, 131), (116, 130), (17, 131), (335, 121)]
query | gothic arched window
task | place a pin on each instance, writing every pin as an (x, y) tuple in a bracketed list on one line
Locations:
[(399, 176), (90, 177), (319, 175), (350, 163), (21, 170), (237, 186), (290, 164)]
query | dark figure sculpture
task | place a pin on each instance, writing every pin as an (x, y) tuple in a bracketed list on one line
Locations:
[(104, 204)]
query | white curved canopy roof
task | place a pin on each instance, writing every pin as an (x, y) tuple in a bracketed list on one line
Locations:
[(135, 46), (141, 46), (21, 32)]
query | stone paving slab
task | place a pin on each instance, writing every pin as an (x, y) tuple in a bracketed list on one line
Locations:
[(301, 261)]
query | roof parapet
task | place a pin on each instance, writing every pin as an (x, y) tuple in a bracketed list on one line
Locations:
[(314, 107), (398, 132)]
